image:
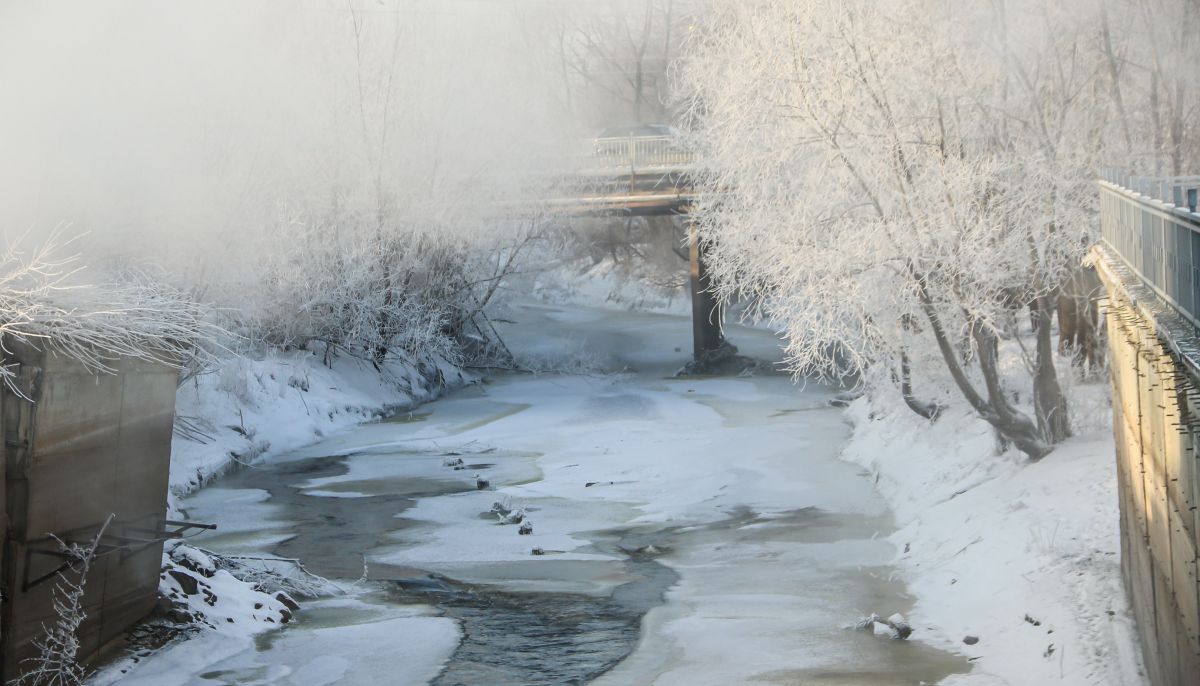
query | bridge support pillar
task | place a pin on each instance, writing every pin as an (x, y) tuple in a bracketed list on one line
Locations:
[(709, 344)]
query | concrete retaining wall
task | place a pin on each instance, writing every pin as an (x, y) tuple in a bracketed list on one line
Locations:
[(1156, 423), (78, 448)]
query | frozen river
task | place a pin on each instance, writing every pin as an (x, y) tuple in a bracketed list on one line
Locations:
[(688, 531)]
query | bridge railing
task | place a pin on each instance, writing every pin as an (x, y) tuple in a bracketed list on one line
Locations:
[(1153, 225), (638, 153)]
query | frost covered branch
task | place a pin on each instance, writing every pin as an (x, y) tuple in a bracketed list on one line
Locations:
[(44, 304), (56, 663), (894, 179), (275, 574)]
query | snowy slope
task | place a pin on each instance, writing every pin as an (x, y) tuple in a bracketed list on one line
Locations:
[(1022, 556), (636, 288), (249, 408)]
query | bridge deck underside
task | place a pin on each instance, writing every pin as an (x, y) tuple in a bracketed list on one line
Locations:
[(633, 205), (622, 193), (657, 193)]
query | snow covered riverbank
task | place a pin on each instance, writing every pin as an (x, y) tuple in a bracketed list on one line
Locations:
[(248, 408), (1023, 557), (247, 411), (726, 492)]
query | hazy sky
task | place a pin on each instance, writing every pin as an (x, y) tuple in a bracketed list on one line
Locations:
[(163, 124)]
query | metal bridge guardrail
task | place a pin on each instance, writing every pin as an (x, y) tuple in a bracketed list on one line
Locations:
[(635, 153), (1153, 225)]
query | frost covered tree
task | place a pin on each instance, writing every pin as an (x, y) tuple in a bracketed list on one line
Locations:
[(614, 57), (392, 240), (341, 172), (47, 302), (1150, 49), (897, 181)]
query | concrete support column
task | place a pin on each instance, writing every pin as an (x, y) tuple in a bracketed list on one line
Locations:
[(707, 313)]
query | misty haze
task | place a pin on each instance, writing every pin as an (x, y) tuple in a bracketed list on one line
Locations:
[(613, 342)]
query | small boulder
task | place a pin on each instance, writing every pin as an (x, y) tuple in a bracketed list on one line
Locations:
[(900, 625), (895, 626), (193, 560), (970, 640), (287, 601), (526, 528), (513, 517), (189, 584), (181, 616)]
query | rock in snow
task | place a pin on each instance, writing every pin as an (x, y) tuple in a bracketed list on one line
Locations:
[(895, 626), (900, 625), (516, 517)]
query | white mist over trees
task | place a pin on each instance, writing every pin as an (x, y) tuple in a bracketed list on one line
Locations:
[(615, 57), (912, 179), (615, 60), (354, 173)]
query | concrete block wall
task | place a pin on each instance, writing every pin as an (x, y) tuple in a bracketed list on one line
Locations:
[(1156, 424), (80, 447)]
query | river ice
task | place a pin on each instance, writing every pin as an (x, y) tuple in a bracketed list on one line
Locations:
[(729, 487)]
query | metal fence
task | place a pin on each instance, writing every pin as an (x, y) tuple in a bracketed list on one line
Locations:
[(1153, 225), (636, 153)]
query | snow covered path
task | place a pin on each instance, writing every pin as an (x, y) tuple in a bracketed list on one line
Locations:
[(689, 531)]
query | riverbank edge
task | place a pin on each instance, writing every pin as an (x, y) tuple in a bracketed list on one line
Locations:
[(248, 410), (1015, 565)]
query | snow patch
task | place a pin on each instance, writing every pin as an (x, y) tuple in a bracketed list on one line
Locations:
[(250, 408), (1014, 564)]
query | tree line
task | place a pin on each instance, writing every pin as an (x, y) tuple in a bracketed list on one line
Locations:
[(913, 180)]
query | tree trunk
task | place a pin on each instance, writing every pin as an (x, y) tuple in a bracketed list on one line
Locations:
[(1049, 403), (1078, 318), (925, 410), (1010, 424), (384, 320)]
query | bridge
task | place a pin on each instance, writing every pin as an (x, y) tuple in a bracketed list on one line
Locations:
[(628, 176), (1149, 261), (631, 176)]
